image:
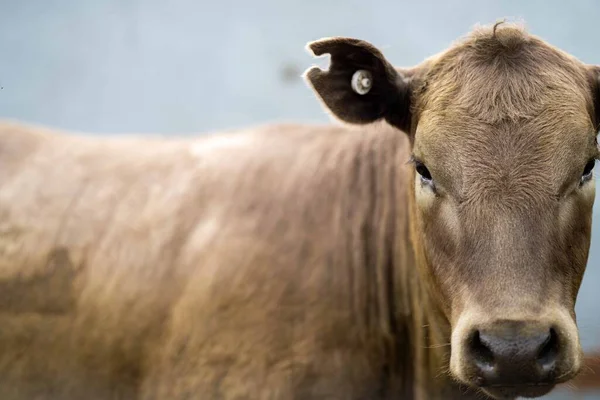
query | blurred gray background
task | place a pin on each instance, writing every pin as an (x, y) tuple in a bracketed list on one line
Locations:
[(183, 66)]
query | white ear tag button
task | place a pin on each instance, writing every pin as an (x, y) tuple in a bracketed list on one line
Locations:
[(362, 81)]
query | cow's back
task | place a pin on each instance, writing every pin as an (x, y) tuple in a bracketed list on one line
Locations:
[(170, 268)]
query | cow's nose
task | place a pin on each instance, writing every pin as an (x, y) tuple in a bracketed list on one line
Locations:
[(514, 353)]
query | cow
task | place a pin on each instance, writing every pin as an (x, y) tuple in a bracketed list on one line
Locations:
[(431, 245)]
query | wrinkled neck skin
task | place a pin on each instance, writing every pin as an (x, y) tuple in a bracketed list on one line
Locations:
[(429, 328)]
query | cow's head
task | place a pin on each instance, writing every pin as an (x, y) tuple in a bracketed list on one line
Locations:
[(503, 130)]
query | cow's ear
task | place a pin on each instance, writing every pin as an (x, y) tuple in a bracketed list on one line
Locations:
[(360, 86), (595, 79)]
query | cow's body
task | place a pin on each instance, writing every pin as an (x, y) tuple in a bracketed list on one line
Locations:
[(269, 264)]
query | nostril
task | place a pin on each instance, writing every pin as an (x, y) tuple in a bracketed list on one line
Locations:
[(548, 350), (510, 353), (481, 353)]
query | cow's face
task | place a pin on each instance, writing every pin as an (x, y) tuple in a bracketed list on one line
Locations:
[(503, 129)]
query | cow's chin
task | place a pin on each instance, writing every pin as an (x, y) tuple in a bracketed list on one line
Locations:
[(512, 392)]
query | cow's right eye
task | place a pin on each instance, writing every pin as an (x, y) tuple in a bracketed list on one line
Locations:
[(423, 172)]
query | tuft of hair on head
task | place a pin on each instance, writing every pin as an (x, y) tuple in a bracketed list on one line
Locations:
[(496, 25), (503, 36)]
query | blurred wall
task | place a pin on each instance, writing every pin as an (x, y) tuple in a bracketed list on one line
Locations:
[(185, 66)]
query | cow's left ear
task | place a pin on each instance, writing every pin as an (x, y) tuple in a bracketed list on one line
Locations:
[(360, 86), (595, 79)]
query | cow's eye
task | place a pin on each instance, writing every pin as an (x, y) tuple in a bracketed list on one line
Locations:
[(423, 172), (588, 172)]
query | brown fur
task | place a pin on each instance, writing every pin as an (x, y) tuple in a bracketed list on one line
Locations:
[(290, 261), (299, 286)]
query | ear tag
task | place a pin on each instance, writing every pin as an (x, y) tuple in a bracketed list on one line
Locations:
[(362, 81)]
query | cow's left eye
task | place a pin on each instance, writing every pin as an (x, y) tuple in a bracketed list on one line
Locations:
[(588, 172)]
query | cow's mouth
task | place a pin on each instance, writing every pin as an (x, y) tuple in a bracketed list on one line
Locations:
[(513, 391)]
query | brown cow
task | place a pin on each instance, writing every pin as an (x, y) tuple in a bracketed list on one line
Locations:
[(313, 262)]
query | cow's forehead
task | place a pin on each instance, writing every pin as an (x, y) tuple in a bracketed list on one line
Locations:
[(557, 138), (507, 76), (454, 128), (535, 155), (506, 94)]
